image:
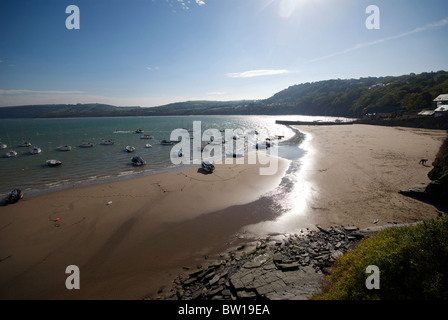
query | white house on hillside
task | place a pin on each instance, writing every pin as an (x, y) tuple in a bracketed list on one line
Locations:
[(442, 105), (441, 99)]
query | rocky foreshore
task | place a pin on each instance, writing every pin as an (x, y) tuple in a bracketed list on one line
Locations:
[(289, 267)]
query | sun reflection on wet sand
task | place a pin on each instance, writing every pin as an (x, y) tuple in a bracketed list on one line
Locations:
[(292, 197)]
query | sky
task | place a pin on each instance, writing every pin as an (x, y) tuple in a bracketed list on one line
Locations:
[(153, 52)]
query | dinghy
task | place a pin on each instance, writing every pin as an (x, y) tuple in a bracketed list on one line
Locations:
[(138, 161), (35, 150), (53, 163), (130, 148)]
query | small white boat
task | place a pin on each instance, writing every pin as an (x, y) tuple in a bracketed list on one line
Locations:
[(86, 145), (26, 144), (11, 154), (53, 163), (146, 136), (3, 146), (65, 148), (148, 145), (107, 142), (35, 150), (139, 131), (130, 148)]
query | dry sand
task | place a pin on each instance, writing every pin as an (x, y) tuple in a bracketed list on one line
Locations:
[(160, 223), (357, 171)]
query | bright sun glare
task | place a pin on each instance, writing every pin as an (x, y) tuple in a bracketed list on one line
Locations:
[(287, 7)]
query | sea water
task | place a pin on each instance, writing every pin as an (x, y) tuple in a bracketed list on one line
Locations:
[(103, 163)]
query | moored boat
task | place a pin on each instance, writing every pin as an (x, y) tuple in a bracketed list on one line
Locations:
[(53, 163), (65, 148), (130, 148), (208, 167), (166, 143), (107, 142), (26, 144), (14, 196), (138, 161), (11, 154), (35, 150), (86, 145)]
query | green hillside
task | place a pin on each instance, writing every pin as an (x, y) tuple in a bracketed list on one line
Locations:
[(408, 93), (350, 98)]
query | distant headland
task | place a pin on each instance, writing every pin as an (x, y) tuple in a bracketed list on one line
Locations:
[(392, 97)]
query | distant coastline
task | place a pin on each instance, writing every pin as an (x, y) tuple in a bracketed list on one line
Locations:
[(398, 96)]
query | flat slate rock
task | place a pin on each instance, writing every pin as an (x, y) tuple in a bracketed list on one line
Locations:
[(289, 269)]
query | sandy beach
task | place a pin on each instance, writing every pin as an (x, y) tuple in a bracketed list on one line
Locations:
[(158, 224), (153, 227), (357, 171)]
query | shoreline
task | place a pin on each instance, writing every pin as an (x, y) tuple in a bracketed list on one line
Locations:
[(135, 247), (101, 180), (291, 266), (153, 227)]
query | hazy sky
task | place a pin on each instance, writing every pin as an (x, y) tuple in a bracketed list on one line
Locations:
[(152, 52)]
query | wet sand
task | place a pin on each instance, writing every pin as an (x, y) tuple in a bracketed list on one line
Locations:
[(158, 224), (132, 247)]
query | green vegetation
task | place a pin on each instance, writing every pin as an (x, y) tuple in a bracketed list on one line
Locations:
[(349, 98), (412, 261), (407, 93), (66, 111)]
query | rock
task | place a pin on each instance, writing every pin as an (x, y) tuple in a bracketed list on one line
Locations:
[(289, 266), (278, 257), (336, 254), (314, 246), (196, 295), (322, 229), (215, 291), (214, 280), (269, 266), (292, 268), (246, 294), (258, 261), (226, 292), (189, 281), (350, 228)]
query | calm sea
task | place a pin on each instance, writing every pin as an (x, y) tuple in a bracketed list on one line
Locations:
[(102, 163)]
